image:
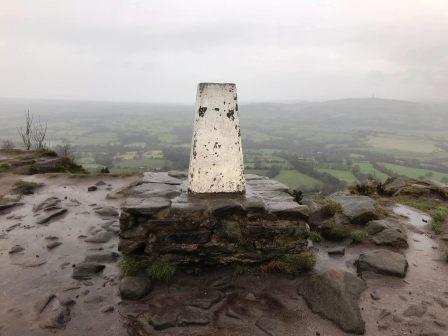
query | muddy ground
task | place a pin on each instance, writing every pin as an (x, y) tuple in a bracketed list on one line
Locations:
[(38, 295)]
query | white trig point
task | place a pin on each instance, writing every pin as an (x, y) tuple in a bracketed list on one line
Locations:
[(216, 160)]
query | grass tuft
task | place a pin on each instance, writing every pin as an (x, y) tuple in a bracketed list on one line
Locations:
[(161, 269), (25, 187), (331, 208), (4, 167), (304, 261), (291, 264), (315, 236), (439, 215), (129, 265), (358, 236)]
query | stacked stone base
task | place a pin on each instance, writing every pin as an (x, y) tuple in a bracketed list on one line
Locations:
[(161, 220)]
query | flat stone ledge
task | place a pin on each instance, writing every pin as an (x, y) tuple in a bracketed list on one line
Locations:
[(160, 218)]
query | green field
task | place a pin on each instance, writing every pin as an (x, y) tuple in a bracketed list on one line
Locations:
[(126, 156), (343, 175), (295, 179), (154, 154), (416, 173), (368, 168), (141, 164), (262, 160), (403, 143)]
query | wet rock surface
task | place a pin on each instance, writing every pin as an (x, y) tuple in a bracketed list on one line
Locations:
[(107, 211), (383, 262), (334, 294), (359, 209), (391, 237), (100, 237), (388, 232), (204, 302), (134, 287), (46, 217), (39, 297), (86, 270)]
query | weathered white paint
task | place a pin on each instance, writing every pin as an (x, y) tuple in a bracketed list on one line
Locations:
[(216, 160)]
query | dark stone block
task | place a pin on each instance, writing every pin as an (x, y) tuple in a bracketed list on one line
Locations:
[(194, 231), (128, 246), (145, 206), (225, 206)]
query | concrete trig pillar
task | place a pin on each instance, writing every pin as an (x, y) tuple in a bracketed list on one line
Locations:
[(216, 160)]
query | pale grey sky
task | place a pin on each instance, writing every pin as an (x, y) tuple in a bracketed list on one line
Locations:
[(148, 50)]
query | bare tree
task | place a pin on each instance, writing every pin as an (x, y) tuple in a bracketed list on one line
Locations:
[(7, 145), (39, 134), (26, 132), (65, 151), (34, 133)]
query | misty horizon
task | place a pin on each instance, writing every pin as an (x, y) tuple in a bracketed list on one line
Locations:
[(290, 101), (142, 51)]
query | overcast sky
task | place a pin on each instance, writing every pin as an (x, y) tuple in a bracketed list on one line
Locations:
[(157, 51)]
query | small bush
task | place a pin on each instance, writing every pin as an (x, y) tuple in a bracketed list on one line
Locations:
[(161, 269), (275, 266), (331, 208), (298, 195), (439, 214), (315, 236), (129, 265), (4, 167), (49, 152), (368, 188), (331, 231), (304, 261), (338, 233), (26, 187), (358, 236), (68, 165)]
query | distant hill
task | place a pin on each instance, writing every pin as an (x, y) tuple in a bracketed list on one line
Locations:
[(370, 113), (342, 114)]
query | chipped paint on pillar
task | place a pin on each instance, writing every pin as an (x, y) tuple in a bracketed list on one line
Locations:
[(216, 160)]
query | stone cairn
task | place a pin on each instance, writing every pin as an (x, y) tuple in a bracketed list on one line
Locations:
[(214, 215)]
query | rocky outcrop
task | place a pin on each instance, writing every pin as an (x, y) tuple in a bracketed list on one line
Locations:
[(160, 219), (395, 186), (391, 237), (102, 257), (334, 294), (49, 215), (38, 162), (8, 205), (50, 203), (383, 262), (86, 270), (134, 287), (107, 211), (387, 232), (359, 209)]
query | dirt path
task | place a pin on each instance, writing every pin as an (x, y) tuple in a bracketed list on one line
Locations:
[(425, 286), (30, 276), (270, 303)]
